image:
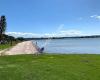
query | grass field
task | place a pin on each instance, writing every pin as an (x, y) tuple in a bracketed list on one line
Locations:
[(8, 45), (50, 67), (4, 46)]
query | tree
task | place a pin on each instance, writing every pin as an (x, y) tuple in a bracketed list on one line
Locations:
[(20, 38), (2, 26)]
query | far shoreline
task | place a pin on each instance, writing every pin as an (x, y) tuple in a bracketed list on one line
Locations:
[(74, 37)]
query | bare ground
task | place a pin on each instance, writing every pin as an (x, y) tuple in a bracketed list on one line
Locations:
[(26, 47)]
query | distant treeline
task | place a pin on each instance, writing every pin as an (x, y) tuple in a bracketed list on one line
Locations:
[(93, 36), (10, 39)]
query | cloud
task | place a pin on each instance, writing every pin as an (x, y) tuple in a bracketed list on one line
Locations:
[(65, 33), (62, 33), (96, 17), (58, 33), (71, 33), (22, 34)]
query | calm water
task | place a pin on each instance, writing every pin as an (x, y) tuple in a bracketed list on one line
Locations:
[(78, 45)]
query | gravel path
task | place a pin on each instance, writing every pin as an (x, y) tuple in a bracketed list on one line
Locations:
[(26, 47)]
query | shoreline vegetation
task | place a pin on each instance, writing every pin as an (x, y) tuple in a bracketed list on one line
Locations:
[(9, 44), (5, 46), (50, 67)]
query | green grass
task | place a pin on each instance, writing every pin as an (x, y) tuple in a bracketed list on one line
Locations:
[(50, 67), (4, 46), (8, 45)]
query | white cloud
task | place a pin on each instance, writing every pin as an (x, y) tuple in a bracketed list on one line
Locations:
[(96, 17), (60, 32), (71, 33), (64, 33), (22, 34)]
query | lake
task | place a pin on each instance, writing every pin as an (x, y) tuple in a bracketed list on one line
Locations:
[(71, 45)]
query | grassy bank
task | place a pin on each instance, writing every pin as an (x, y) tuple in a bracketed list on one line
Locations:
[(4, 46), (7, 45), (50, 67)]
